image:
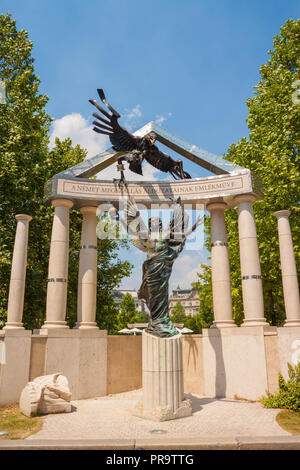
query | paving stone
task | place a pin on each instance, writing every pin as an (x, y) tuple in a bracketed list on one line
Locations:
[(111, 417)]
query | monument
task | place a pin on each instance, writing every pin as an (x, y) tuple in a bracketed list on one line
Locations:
[(163, 397), (81, 353)]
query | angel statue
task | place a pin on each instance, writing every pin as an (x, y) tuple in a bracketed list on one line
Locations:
[(135, 149), (162, 245)]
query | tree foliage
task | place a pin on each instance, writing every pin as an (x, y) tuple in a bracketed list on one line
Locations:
[(192, 322), (127, 313), (272, 152), (204, 286), (288, 395), (178, 313), (26, 163)]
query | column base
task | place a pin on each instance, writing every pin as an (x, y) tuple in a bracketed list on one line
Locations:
[(55, 324), (161, 413), (292, 322), (255, 322), (87, 326), (13, 326), (223, 324)]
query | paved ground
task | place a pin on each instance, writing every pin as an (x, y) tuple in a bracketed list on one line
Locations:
[(111, 417)]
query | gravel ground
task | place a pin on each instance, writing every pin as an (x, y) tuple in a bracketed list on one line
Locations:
[(111, 417)]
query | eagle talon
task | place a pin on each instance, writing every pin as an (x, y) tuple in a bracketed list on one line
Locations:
[(121, 182)]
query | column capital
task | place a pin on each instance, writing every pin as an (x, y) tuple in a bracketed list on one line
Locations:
[(88, 210), (283, 213), (25, 217), (217, 205), (244, 198), (62, 202)]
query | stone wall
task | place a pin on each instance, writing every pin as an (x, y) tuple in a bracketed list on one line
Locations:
[(192, 351), (223, 362), (124, 363)]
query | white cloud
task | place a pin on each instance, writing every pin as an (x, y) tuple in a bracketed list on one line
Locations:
[(134, 113), (132, 118), (78, 129), (160, 118), (185, 270)]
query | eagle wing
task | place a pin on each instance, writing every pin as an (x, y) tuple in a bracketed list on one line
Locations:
[(159, 159), (120, 138)]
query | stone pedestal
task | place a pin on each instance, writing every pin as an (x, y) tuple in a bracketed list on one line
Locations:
[(79, 354), (14, 371), (163, 397)]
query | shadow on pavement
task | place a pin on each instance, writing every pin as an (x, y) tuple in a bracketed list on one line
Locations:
[(197, 402)]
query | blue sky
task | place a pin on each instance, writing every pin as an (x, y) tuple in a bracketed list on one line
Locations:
[(188, 64)]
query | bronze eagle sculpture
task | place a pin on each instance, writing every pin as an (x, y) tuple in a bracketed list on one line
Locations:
[(136, 149)]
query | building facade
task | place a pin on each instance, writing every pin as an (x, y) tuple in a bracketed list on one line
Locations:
[(188, 298)]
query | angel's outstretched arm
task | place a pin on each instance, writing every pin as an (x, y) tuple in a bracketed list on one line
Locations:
[(137, 238), (199, 221)]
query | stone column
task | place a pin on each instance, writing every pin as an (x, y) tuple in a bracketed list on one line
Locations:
[(58, 266), (87, 279), (18, 274), (250, 265), (163, 397), (288, 269), (220, 267)]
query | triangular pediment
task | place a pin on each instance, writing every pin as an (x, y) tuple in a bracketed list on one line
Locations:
[(77, 184), (213, 163)]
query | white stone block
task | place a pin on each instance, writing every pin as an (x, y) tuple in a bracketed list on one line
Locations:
[(46, 394)]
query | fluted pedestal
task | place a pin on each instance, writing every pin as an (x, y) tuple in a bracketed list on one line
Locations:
[(163, 397)]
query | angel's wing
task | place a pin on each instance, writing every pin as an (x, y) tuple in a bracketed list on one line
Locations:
[(120, 138), (135, 224), (178, 222), (139, 243)]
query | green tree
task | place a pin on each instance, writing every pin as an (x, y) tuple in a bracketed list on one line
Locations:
[(26, 163), (178, 313), (127, 313), (272, 152), (111, 271), (204, 286), (141, 317), (194, 323)]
